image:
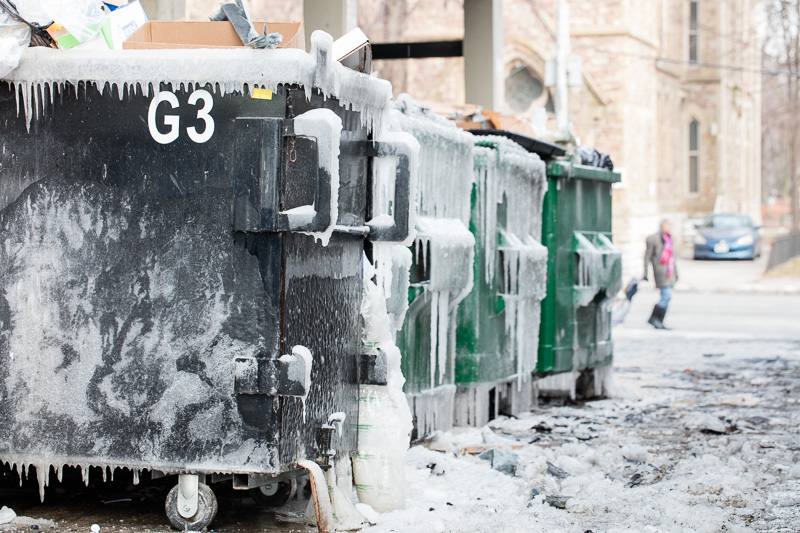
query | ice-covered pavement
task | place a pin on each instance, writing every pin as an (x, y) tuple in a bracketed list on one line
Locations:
[(703, 434)]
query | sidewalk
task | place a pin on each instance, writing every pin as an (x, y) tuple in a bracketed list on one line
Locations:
[(737, 276)]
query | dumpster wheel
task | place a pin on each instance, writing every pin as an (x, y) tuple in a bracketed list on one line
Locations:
[(206, 509), (275, 494)]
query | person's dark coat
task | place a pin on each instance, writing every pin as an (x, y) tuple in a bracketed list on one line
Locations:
[(652, 255)]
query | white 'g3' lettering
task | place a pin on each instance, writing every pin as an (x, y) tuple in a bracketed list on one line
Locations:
[(173, 121)]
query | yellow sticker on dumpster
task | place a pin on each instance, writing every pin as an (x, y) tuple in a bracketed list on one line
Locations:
[(262, 94)]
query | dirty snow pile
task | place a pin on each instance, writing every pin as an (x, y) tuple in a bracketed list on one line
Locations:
[(689, 443)]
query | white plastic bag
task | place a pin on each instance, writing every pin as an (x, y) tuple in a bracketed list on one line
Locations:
[(14, 38), (81, 18)]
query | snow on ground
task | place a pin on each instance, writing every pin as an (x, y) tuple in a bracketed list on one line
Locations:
[(701, 435)]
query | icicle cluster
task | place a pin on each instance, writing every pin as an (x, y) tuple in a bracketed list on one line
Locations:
[(506, 173), (445, 161), (56, 465), (444, 246), (41, 70)]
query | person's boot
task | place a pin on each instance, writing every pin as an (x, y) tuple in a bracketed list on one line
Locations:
[(663, 313), (657, 317)]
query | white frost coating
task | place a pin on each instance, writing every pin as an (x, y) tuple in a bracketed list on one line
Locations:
[(301, 215), (337, 418), (384, 418), (524, 287), (324, 126), (384, 171), (444, 247), (392, 263), (300, 353), (505, 172), (445, 160), (229, 70), (447, 247)]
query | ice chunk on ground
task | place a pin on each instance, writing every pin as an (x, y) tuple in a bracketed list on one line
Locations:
[(7, 515)]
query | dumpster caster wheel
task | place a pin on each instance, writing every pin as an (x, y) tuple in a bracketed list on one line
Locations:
[(206, 509), (275, 494)]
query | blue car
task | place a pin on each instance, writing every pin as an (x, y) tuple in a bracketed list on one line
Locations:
[(727, 236)]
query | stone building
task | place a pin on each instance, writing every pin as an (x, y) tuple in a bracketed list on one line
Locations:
[(671, 90)]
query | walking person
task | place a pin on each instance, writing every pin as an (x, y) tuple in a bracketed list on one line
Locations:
[(661, 253)]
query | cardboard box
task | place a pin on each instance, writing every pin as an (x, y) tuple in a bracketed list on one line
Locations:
[(182, 34)]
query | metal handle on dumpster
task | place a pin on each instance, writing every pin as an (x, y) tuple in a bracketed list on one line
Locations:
[(405, 148), (324, 127), (265, 147)]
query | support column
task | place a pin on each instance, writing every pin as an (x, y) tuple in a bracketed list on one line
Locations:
[(330, 16), (164, 9), (484, 71)]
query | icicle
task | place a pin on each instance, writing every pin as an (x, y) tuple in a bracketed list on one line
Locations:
[(136, 473), (85, 473), (42, 475), (444, 304), (522, 367), (434, 333)]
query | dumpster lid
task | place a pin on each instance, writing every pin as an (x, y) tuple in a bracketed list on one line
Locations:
[(543, 149), (226, 70)]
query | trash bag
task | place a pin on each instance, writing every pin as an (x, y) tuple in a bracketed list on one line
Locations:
[(81, 18), (588, 156), (14, 38)]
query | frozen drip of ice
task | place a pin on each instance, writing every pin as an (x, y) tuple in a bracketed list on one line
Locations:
[(324, 126), (300, 370), (384, 418)]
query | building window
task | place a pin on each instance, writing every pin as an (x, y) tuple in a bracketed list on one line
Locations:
[(525, 90), (694, 157), (693, 32)]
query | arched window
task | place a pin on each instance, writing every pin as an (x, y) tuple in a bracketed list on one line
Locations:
[(525, 89), (694, 157), (694, 31)]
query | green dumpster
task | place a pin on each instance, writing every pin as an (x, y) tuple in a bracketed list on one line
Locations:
[(441, 269), (497, 323), (584, 273)]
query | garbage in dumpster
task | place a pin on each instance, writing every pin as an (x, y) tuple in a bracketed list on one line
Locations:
[(121, 23), (196, 34), (14, 38), (585, 155), (237, 15), (80, 19)]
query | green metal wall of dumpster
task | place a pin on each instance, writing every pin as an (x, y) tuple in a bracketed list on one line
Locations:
[(442, 267), (497, 324), (584, 270)]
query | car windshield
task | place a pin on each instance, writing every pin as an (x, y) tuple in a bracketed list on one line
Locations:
[(728, 222)]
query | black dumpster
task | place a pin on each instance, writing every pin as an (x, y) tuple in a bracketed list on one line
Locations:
[(181, 237)]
